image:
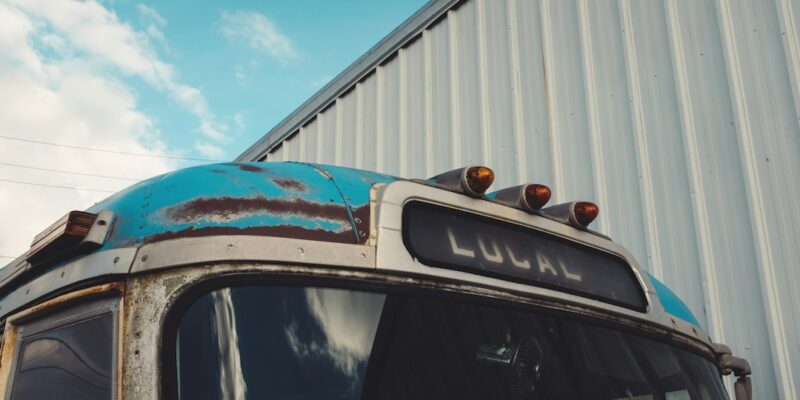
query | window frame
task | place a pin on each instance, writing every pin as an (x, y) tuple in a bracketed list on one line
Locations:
[(181, 303), (62, 311)]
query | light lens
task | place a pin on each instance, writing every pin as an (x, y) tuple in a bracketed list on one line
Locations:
[(478, 179), (585, 212), (62, 236), (537, 195)]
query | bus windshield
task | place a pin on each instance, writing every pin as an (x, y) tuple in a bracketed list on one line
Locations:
[(269, 342)]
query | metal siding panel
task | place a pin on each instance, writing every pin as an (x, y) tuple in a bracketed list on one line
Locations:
[(326, 152), (390, 110), (730, 263), (530, 84), (369, 122), (311, 132), (611, 122), (415, 107), (499, 118), (673, 254), (569, 129), (346, 128), (770, 142), (293, 152), (466, 99), (441, 105)]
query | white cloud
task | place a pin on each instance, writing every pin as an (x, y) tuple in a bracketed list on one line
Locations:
[(150, 15), (154, 22), (238, 119), (98, 32), (60, 66), (258, 32), (241, 76), (349, 321), (209, 150)]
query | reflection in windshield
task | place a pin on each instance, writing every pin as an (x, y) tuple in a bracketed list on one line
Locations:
[(231, 380), (315, 343), (337, 312)]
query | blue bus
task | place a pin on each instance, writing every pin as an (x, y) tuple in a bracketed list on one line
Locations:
[(305, 281)]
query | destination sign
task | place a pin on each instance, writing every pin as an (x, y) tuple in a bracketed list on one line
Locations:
[(448, 238)]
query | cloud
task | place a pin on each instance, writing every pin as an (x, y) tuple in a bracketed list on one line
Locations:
[(58, 86), (238, 119), (150, 15), (209, 150), (258, 32), (349, 321), (241, 76), (98, 33), (154, 22)]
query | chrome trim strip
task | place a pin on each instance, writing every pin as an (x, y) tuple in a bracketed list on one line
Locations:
[(104, 263), (187, 251)]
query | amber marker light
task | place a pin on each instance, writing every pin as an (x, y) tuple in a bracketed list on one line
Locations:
[(64, 234), (536, 195), (477, 180), (585, 212)]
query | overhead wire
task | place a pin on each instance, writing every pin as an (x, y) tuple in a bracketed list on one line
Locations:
[(151, 155), (68, 172), (55, 186)]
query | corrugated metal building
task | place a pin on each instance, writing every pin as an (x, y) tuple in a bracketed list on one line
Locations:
[(680, 118)]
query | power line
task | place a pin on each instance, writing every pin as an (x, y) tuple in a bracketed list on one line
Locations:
[(108, 151), (68, 172), (56, 186)]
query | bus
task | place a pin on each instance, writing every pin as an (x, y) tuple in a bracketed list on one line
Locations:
[(305, 281)]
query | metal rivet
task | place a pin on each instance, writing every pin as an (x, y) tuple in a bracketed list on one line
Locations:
[(230, 245), (28, 291), (358, 220), (300, 250), (62, 274), (363, 255), (116, 260), (144, 257), (101, 222)]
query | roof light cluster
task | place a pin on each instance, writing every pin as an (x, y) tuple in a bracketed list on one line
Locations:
[(475, 180)]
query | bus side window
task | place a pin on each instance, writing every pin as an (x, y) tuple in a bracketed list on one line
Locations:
[(69, 354)]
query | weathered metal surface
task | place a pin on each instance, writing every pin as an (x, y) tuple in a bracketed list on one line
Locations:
[(283, 200), (679, 118), (99, 265)]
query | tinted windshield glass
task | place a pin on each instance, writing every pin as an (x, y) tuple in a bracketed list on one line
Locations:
[(313, 343)]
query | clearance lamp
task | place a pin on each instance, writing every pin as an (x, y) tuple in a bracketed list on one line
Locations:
[(530, 197), (472, 181)]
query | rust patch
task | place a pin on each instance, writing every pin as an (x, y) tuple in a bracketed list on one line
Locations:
[(227, 208), (249, 168), (288, 183), (284, 231), (361, 216), (66, 298)]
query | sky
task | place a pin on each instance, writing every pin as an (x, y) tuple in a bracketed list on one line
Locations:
[(166, 83)]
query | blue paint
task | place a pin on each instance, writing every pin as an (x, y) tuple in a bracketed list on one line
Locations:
[(672, 304), (153, 207)]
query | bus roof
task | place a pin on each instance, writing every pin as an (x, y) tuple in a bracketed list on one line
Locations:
[(289, 200)]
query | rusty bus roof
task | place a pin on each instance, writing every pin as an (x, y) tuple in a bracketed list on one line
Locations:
[(294, 200), (282, 200)]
